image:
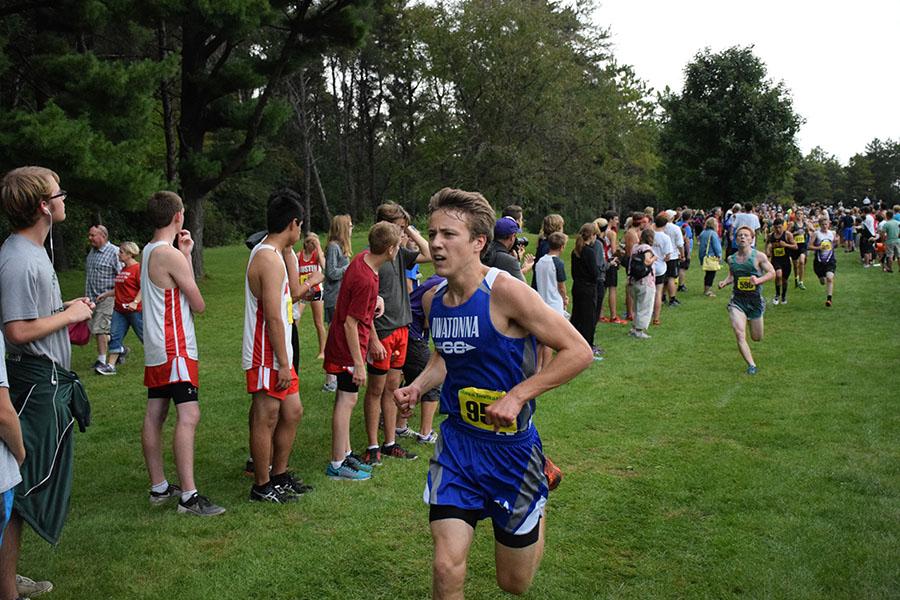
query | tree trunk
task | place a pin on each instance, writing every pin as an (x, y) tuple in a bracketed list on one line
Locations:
[(194, 223), (168, 114)]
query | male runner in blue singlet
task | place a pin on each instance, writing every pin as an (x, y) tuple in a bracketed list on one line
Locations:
[(488, 460)]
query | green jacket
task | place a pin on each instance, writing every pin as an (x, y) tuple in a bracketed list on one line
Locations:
[(49, 400)]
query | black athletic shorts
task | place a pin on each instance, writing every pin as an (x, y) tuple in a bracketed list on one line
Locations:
[(661, 279), (179, 393), (672, 268), (612, 277), (685, 264), (822, 269)]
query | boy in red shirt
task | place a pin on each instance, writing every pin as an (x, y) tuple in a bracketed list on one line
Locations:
[(348, 340)]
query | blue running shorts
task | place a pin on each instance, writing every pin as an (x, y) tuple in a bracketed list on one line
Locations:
[(492, 475)]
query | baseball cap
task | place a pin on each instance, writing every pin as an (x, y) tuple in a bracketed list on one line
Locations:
[(505, 227)]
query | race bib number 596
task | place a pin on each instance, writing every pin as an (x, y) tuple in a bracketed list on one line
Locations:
[(473, 403), (745, 285)]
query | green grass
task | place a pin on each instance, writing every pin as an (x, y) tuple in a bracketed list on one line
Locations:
[(684, 477)]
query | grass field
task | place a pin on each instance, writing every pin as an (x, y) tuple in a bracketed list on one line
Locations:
[(684, 477)]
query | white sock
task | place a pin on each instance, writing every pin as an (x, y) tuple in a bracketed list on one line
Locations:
[(375, 447), (186, 495), (159, 488), (101, 358), (336, 464)]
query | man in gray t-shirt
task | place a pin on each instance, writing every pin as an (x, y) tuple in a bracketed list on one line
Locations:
[(387, 344), (29, 290), (35, 324)]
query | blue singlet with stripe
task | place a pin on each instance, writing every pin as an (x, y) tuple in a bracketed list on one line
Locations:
[(477, 355)]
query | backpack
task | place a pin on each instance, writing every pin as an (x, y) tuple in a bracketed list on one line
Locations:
[(637, 268)]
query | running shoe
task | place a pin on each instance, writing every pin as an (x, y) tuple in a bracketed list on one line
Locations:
[(618, 321), (674, 302), (406, 432), (828, 303), (776, 301), (105, 370), (291, 485), (598, 351), (98, 365), (553, 473), (656, 322), (682, 288), (752, 370), (330, 387), (431, 438), (709, 294), (372, 457), (272, 494), (357, 463), (641, 335), (801, 286), (397, 451), (346, 473), (604, 319), (199, 506), (632, 331), (796, 283), (784, 300), (29, 588), (248, 468), (157, 498)]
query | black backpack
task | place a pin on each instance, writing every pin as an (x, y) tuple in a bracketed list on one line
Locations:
[(637, 268)]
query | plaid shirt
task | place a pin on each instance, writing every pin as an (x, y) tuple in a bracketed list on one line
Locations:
[(101, 268)]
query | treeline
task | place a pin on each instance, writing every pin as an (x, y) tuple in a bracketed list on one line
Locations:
[(354, 102)]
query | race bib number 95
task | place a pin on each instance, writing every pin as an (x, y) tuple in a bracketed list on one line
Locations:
[(473, 403), (778, 251), (745, 285), (826, 245)]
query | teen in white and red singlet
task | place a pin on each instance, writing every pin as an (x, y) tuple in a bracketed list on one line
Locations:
[(170, 344), (257, 351)]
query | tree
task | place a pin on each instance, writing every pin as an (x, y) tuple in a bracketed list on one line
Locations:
[(884, 163), (729, 136), (817, 177)]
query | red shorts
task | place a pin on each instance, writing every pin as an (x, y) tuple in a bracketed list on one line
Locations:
[(336, 369), (179, 369), (395, 351), (264, 378)]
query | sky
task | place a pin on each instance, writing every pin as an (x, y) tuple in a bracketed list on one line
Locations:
[(840, 60)]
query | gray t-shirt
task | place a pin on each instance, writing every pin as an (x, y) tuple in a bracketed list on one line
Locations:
[(392, 287), (29, 290), (9, 468)]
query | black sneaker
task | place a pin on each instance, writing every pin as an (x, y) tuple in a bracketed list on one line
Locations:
[(682, 288), (199, 506), (272, 494), (289, 484), (674, 302), (397, 451), (173, 491)]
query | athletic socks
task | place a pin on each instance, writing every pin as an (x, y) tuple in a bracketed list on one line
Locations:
[(159, 488), (336, 464), (101, 358), (777, 290), (186, 495)]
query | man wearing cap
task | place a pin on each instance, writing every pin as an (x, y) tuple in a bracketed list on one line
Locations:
[(499, 251)]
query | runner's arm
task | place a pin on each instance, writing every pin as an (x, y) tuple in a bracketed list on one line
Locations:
[(517, 303), (789, 241), (764, 264), (271, 294), (179, 267)]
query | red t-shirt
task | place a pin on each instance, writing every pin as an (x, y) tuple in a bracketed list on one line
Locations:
[(128, 284), (359, 291)]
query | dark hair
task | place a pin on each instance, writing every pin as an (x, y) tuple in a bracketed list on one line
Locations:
[(661, 220), (778, 221), (610, 215), (284, 207), (748, 207), (162, 208), (391, 211), (513, 210), (647, 236)]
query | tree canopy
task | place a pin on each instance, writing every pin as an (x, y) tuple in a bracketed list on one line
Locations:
[(729, 135)]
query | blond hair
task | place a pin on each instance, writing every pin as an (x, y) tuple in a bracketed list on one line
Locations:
[(21, 193), (339, 233), (130, 248)]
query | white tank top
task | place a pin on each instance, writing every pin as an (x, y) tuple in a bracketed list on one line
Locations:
[(168, 323), (257, 350)]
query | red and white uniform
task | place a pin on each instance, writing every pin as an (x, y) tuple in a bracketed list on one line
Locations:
[(308, 267), (170, 344), (258, 354)]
